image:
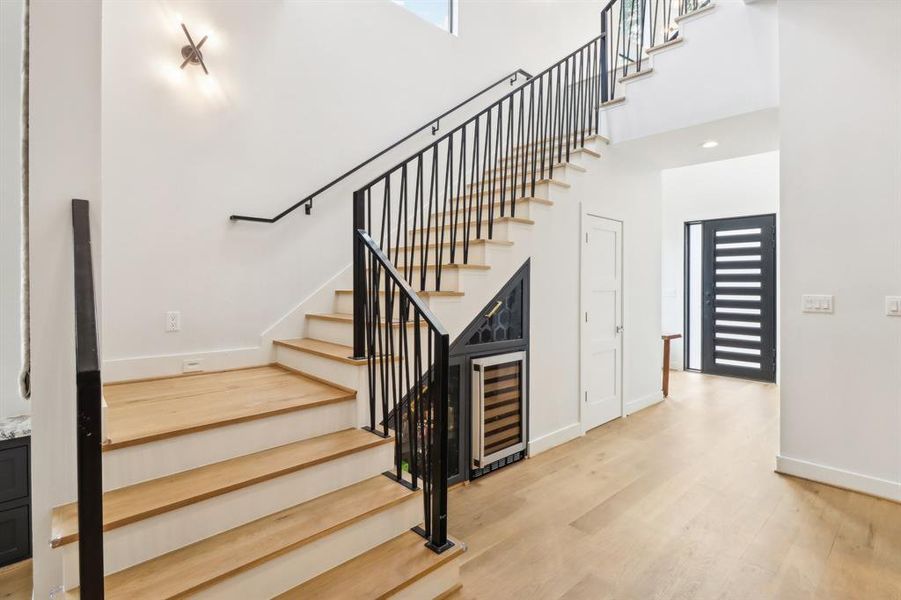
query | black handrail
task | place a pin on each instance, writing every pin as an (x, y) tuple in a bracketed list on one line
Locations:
[(408, 360), (435, 123), (88, 419)]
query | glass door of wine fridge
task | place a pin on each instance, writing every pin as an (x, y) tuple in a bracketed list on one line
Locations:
[(499, 419)]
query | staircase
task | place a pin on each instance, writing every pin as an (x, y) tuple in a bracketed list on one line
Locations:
[(269, 481)]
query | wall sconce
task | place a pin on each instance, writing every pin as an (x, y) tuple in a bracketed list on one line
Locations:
[(191, 52)]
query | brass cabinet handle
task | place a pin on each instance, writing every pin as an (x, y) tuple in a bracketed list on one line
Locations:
[(494, 309)]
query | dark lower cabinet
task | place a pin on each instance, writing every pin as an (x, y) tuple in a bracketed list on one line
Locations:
[(15, 501)]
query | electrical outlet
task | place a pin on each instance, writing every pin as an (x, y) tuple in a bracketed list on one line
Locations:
[(893, 306), (192, 365), (173, 321), (816, 303)]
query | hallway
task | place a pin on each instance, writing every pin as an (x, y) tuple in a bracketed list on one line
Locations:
[(677, 501)]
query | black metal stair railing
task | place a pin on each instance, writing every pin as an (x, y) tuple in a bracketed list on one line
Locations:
[(631, 28), (425, 213), (407, 350), (87, 411)]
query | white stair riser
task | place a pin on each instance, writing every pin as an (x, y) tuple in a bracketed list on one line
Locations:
[(133, 464), (341, 332), (557, 153), (344, 302), (141, 541), (340, 373), (435, 584), (292, 568), (561, 172), (476, 254), (523, 209)]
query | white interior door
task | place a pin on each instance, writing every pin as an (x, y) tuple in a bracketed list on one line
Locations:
[(602, 318)]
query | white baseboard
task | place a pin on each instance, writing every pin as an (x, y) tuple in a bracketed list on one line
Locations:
[(874, 486), (140, 367), (554, 438), (642, 402)]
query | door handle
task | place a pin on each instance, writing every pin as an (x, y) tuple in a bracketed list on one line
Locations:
[(620, 329), (494, 309)]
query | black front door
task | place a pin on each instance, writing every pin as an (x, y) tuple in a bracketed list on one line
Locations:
[(739, 297)]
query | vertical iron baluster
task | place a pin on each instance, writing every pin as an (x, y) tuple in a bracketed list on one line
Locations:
[(509, 156), (433, 204), (498, 142), (531, 141), (448, 189), (523, 152), (547, 148), (540, 124), (402, 221), (486, 155), (470, 190)]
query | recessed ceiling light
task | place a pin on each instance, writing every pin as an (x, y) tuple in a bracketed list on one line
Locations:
[(710, 144)]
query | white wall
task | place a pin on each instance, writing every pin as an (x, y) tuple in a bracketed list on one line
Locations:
[(64, 163), (840, 209), (298, 93), (728, 65), (625, 189), (729, 188), (11, 45)]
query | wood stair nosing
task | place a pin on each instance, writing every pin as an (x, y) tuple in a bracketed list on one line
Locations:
[(475, 209), (589, 137), (134, 503), (379, 573), (513, 188), (637, 75), (664, 45), (572, 153), (497, 221), (476, 242), (698, 11), (422, 293), (348, 318), (202, 564), (506, 178), (148, 411)]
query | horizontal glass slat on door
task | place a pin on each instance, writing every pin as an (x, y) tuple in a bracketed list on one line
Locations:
[(738, 271), (733, 245), (739, 258), (726, 335), (744, 324), (737, 311), (738, 284), (754, 342), (738, 350), (723, 252), (738, 277), (750, 297), (738, 317), (734, 232), (738, 363)]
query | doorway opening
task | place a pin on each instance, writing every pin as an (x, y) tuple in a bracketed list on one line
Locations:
[(730, 297)]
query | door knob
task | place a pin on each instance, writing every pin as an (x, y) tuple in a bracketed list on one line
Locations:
[(619, 329)]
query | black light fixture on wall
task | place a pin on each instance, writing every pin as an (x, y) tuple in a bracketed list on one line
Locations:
[(191, 53)]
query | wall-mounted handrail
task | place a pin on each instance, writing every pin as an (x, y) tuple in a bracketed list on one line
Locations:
[(87, 411), (434, 124)]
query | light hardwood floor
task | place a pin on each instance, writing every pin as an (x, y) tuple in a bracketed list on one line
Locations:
[(677, 501), (15, 581)]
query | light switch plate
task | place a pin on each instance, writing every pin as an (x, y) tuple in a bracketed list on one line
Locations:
[(893, 306), (817, 303)]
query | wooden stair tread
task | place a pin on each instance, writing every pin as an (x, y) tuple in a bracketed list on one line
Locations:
[(349, 318), (637, 75), (664, 45), (485, 207), (473, 242), (143, 500), (144, 411), (199, 565), (422, 293), (378, 573), (521, 220)]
